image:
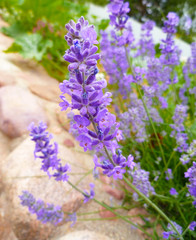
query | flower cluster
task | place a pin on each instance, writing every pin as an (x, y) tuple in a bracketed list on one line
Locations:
[(114, 48), (170, 52), (47, 152), (88, 196), (193, 58), (141, 181), (191, 175), (171, 231), (88, 99), (173, 192), (44, 212), (146, 45), (118, 10), (168, 174), (178, 127)]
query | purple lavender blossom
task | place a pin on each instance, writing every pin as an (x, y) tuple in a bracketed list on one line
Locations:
[(191, 175), (173, 192), (178, 127), (141, 182), (80, 30), (72, 218), (192, 226), (191, 151), (118, 10), (171, 231), (185, 159), (170, 52), (48, 152), (168, 174), (193, 58), (88, 196), (88, 99), (44, 212), (146, 45)]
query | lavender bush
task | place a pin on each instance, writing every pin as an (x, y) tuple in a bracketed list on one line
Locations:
[(147, 139)]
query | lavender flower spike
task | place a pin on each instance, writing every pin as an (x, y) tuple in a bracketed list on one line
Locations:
[(44, 212), (48, 152), (88, 196), (171, 231), (191, 174)]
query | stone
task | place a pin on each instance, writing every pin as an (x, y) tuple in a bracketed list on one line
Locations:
[(46, 91), (105, 179), (22, 172), (7, 78), (84, 235), (69, 143), (18, 108), (6, 232), (4, 146), (104, 213), (116, 193)]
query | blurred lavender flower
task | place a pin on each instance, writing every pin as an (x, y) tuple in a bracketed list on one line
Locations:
[(178, 126), (192, 226), (185, 23), (191, 175), (118, 10), (44, 212), (170, 52), (191, 151), (168, 174), (72, 218), (171, 231), (146, 44), (48, 152), (141, 182), (88, 196), (184, 159), (193, 58), (173, 192)]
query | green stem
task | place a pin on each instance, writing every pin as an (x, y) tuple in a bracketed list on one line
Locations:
[(152, 205), (180, 211), (146, 109), (187, 228), (110, 209), (167, 164), (152, 124)]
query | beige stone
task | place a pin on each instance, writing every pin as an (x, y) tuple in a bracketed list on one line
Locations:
[(84, 235), (18, 108), (22, 172)]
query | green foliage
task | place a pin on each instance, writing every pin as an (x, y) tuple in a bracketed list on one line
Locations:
[(38, 29), (174, 206), (31, 46)]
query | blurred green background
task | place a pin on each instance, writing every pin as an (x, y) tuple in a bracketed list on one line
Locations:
[(38, 26)]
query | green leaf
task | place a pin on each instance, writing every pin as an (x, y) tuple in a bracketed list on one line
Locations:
[(31, 46), (15, 30)]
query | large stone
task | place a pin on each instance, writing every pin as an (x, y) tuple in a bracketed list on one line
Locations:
[(7, 78), (84, 235), (4, 146), (18, 108), (22, 172), (49, 92)]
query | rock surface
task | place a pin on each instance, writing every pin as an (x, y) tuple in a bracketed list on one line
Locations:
[(18, 108), (22, 172), (84, 235)]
